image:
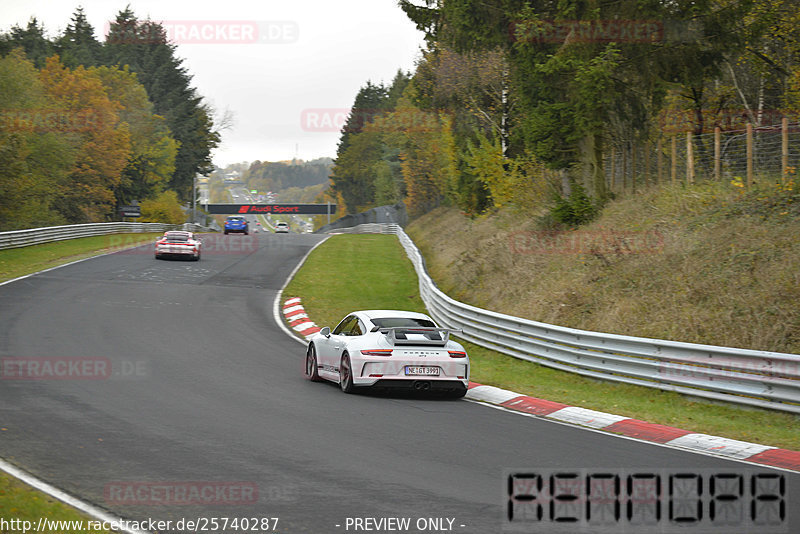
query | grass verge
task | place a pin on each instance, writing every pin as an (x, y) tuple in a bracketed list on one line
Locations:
[(18, 501), (17, 262), (355, 272), (351, 272)]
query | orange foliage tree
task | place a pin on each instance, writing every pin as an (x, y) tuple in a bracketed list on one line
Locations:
[(92, 119)]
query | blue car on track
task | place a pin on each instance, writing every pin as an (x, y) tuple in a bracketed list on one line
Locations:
[(236, 223)]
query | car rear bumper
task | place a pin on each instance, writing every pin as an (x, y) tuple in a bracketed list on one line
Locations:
[(177, 254), (422, 385)]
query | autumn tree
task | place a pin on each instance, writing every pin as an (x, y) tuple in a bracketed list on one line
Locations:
[(35, 155), (104, 142), (364, 155), (143, 47), (151, 161)]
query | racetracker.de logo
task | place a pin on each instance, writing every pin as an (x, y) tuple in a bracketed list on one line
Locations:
[(374, 120), (48, 121), (55, 368), (587, 31), (211, 244), (205, 32), (605, 242), (708, 370), (180, 493), (728, 120)]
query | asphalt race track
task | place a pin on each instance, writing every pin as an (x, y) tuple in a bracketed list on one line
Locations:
[(205, 390)]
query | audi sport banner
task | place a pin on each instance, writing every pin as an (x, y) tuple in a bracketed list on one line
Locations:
[(255, 209)]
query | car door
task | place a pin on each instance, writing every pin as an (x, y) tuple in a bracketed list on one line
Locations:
[(330, 349)]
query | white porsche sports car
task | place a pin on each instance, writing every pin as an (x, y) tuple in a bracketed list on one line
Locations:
[(389, 349), (178, 244)]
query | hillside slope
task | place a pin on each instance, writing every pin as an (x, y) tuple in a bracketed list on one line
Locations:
[(710, 263)]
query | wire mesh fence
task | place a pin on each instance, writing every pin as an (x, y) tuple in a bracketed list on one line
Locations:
[(750, 154)]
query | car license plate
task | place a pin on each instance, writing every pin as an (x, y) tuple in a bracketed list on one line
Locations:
[(421, 371)]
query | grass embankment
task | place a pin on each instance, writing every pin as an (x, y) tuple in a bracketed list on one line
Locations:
[(16, 262), (355, 272), (351, 272), (706, 264), (20, 502)]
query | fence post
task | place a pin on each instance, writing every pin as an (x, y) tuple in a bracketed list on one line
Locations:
[(717, 153), (659, 161), (784, 148), (689, 159), (749, 154), (674, 170), (624, 166), (612, 185)]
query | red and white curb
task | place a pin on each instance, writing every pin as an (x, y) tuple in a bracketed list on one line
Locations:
[(633, 428), (298, 319)]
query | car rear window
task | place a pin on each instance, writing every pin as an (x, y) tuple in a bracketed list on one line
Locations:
[(177, 237), (400, 322), (236, 219)]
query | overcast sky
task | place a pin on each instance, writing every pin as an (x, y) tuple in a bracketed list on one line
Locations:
[(286, 70)]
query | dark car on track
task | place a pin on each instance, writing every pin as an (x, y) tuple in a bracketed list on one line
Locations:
[(237, 223)]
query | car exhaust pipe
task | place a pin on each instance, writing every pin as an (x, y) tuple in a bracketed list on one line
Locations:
[(422, 386)]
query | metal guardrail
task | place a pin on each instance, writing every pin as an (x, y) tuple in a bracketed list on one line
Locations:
[(35, 236), (390, 214), (751, 377), (368, 228)]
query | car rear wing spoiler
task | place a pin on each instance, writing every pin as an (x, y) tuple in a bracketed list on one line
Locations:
[(433, 336)]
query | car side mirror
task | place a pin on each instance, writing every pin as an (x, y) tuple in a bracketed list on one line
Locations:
[(326, 331)]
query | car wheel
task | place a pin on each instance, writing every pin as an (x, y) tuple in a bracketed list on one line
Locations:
[(346, 375), (226, 232), (312, 372)]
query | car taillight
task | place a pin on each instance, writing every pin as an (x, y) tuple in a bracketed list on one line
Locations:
[(377, 352), (457, 353)]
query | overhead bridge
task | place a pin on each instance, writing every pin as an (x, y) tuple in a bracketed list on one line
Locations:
[(256, 209)]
